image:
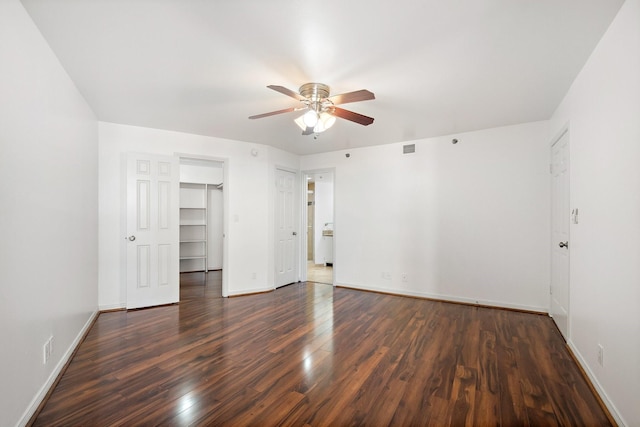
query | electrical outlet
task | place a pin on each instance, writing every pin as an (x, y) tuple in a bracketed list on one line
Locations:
[(600, 355)]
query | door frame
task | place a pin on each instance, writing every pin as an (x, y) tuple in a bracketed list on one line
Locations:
[(304, 218), (225, 211), (564, 131)]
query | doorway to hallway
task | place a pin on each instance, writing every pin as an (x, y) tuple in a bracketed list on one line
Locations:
[(319, 273), (320, 226)]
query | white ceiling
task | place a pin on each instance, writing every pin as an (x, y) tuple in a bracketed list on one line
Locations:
[(437, 67)]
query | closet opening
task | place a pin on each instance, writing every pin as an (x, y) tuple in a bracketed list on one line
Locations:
[(201, 228)]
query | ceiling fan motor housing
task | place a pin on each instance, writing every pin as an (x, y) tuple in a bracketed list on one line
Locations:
[(314, 91)]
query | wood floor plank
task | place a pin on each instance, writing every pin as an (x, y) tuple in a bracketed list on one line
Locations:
[(315, 355), (463, 396)]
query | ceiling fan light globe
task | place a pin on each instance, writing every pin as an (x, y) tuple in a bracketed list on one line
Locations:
[(327, 120), (310, 118)]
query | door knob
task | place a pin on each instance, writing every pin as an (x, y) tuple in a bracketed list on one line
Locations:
[(563, 244), (132, 238), (294, 233)]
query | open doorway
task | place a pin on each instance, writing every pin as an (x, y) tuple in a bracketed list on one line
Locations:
[(320, 227), (201, 228)]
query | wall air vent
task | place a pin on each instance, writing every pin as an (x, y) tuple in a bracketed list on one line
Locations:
[(410, 148)]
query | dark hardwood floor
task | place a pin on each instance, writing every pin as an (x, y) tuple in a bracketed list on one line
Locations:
[(309, 354), (201, 285)]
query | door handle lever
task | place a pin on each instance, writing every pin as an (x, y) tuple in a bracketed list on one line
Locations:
[(564, 244)]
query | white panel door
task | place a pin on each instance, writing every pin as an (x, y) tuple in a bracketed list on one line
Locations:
[(286, 231), (152, 230), (560, 217)]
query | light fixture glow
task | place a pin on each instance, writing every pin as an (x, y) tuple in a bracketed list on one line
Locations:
[(325, 121), (310, 118)]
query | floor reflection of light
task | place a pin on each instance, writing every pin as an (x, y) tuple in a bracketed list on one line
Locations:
[(320, 309), (317, 354), (308, 363), (186, 402), (187, 409)]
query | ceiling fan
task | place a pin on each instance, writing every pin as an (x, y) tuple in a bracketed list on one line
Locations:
[(321, 108)]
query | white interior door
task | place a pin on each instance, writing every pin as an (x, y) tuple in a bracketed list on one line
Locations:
[(560, 217), (286, 231), (152, 230)]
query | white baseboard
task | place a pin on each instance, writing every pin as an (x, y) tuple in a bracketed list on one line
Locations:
[(249, 291), (448, 298), (594, 381), (109, 307), (56, 371)]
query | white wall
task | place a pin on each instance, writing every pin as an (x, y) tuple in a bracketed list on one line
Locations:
[(602, 109), (465, 222), (48, 214), (250, 222)]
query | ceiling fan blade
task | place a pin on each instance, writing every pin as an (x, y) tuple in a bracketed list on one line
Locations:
[(358, 95), (273, 113), (283, 90), (351, 116)]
